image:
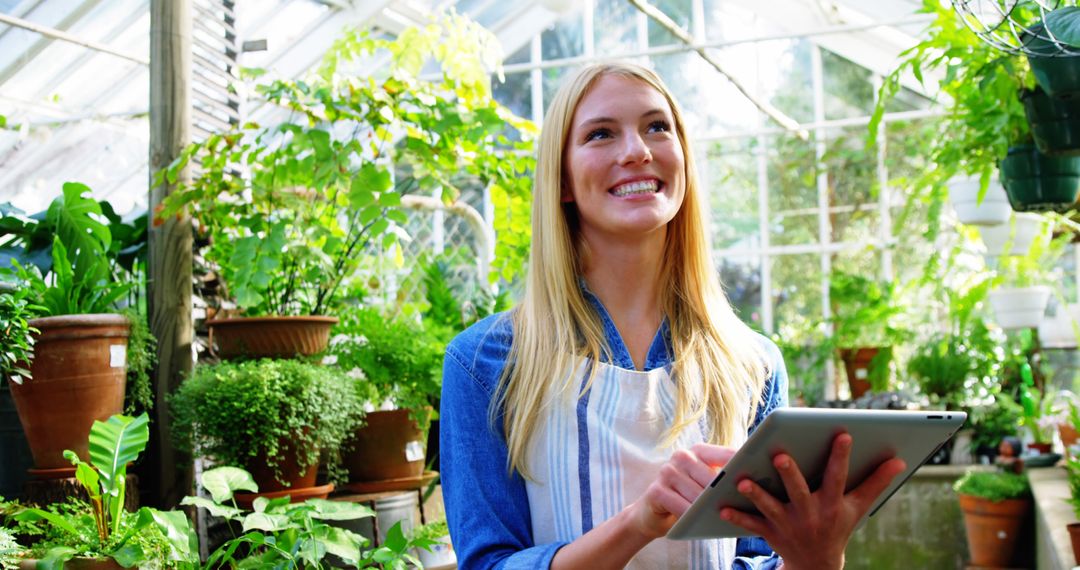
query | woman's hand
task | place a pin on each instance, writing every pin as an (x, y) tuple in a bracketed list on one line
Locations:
[(681, 480), (812, 529)]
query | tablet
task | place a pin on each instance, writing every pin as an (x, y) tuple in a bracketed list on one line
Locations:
[(806, 435)]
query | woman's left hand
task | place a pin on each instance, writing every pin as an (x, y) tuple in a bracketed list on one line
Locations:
[(812, 529)]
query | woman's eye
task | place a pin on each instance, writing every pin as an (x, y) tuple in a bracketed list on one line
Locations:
[(659, 126), (597, 134)]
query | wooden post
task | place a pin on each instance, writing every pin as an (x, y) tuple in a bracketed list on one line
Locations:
[(168, 476)]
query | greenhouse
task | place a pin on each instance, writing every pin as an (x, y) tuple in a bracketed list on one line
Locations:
[(515, 283)]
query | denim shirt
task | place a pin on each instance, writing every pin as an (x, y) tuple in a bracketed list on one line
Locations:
[(488, 509)]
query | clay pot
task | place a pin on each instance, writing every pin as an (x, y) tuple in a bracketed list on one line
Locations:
[(389, 446), (78, 375), (992, 528), (1074, 538), (1069, 436), (269, 337), (857, 366), (77, 564), (1042, 448)]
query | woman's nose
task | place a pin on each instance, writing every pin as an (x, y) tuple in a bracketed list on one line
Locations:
[(634, 150)]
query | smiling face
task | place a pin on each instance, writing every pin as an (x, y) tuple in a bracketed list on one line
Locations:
[(623, 161)]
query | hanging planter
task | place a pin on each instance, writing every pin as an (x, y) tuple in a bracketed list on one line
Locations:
[(1035, 182), (1059, 331), (1013, 238), (269, 337), (1020, 307), (1052, 53), (1055, 123), (992, 210)]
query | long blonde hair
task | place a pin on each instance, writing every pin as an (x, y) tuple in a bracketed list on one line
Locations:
[(718, 366)]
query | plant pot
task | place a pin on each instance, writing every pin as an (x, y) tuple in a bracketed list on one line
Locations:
[(1074, 538), (389, 446), (1035, 182), (857, 367), (269, 337), (78, 375), (441, 554), (1056, 69), (1020, 307), (992, 529), (994, 209), (293, 475), (1060, 330), (1041, 447), (1013, 238), (1055, 123), (77, 563), (1069, 437)]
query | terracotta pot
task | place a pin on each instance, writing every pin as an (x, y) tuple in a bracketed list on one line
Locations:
[(992, 528), (389, 446), (857, 366), (294, 477), (1074, 538), (1042, 448), (78, 375), (77, 564), (1069, 436), (269, 337)]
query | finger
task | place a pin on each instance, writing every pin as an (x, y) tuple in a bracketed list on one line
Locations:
[(755, 524), (681, 483), (869, 490), (836, 471), (688, 462), (766, 504), (663, 500), (794, 482), (713, 455)]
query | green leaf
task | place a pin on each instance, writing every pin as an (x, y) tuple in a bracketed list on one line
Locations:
[(215, 509), (389, 199), (1064, 24), (222, 482), (56, 557), (338, 510), (395, 538), (177, 530), (340, 542), (266, 522), (31, 515), (116, 442), (129, 555)]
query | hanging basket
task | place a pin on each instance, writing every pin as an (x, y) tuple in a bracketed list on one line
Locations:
[(992, 210), (1013, 238), (1035, 182), (1055, 123), (1059, 331), (1020, 307), (269, 337)]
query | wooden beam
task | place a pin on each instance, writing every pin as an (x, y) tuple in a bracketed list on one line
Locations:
[(170, 255)]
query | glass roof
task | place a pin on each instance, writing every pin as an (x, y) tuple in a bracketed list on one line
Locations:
[(76, 113)]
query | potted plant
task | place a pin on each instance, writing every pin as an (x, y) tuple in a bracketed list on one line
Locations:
[(867, 326), (324, 186), (75, 281), (1051, 45), (275, 418), (100, 532), (976, 206), (441, 551), (1023, 283), (994, 504), (1016, 236), (401, 362), (1072, 469)]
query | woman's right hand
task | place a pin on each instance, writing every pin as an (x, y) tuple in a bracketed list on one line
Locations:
[(681, 480)]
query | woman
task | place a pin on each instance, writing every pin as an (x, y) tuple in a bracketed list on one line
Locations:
[(630, 379)]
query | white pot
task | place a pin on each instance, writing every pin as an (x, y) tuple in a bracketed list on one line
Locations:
[(1020, 307), (442, 554), (1058, 331), (1023, 229), (994, 209)]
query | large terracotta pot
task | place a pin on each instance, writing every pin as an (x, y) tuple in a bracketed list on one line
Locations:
[(1074, 538), (857, 367), (78, 375), (389, 446), (269, 337), (992, 529), (298, 484)]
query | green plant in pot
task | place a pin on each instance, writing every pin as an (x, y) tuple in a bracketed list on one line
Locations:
[(275, 418), (79, 266), (401, 362), (101, 528), (326, 185), (994, 504), (1072, 469), (1023, 284), (867, 324)]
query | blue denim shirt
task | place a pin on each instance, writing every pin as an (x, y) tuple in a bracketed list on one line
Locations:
[(488, 509)]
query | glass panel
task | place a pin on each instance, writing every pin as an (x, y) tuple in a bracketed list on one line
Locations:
[(785, 77), (522, 55), (852, 185), (792, 183), (848, 88), (515, 93), (725, 21), (797, 308), (907, 100), (614, 27), (741, 277), (564, 39), (552, 80), (679, 11), (710, 102), (729, 180)]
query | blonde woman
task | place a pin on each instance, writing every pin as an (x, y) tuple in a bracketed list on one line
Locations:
[(578, 427)]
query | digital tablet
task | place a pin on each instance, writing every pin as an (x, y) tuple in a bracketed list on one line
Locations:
[(806, 434)]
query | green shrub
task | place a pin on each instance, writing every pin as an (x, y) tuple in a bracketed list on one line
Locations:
[(433, 530), (242, 414), (993, 485)]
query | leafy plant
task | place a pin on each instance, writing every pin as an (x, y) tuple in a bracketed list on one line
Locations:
[(105, 528), (433, 530), (991, 423), (993, 485), (16, 334), (248, 413), (867, 313), (1036, 267), (1072, 469), (10, 551), (278, 534), (395, 358), (325, 185)]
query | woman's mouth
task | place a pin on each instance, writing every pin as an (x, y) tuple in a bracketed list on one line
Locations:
[(636, 188)]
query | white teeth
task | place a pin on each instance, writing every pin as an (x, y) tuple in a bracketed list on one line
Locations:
[(639, 187)]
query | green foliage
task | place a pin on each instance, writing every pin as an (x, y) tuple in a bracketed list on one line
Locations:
[(247, 413), (433, 530), (991, 423), (141, 358), (16, 334), (10, 551), (392, 357), (451, 309), (279, 534), (993, 485), (327, 183), (1036, 267), (1072, 469), (102, 528), (867, 313)]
